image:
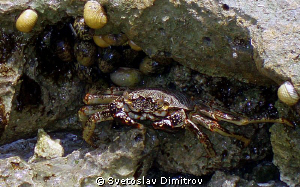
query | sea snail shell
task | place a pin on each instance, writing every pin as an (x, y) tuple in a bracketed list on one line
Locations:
[(82, 30), (27, 20), (126, 77), (94, 15), (288, 94), (134, 46), (149, 66), (85, 53), (100, 42), (64, 50), (115, 39)]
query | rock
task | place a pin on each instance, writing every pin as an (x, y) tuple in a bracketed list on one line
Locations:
[(15, 172), (224, 37), (265, 172), (129, 156), (182, 151), (23, 148), (11, 58), (222, 179), (48, 102), (227, 43), (286, 148), (181, 76), (44, 87)]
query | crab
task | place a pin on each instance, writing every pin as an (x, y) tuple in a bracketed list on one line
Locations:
[(166, 109)]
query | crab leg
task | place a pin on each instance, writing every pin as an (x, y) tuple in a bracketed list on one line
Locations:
[(175, 120), (115, 91), (215, 127), (98, 99), (90, 125), (104, 97), (127, 120), (203, 138), (222, 116), (178, 120), (86, 111)]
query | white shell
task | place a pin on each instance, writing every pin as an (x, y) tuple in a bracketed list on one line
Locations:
[(288, 94)]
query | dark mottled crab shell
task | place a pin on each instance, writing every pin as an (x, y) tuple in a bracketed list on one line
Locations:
[(173, 98)]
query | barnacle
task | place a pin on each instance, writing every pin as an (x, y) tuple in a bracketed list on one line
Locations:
[(27, 20)]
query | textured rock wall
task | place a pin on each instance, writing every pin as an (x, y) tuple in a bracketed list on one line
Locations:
[(220, 38)]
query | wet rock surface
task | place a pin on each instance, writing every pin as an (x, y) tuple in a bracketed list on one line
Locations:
[(222, 179), (285, 145), (123, 158), (195, 44), (188, 156), (229, 36)]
